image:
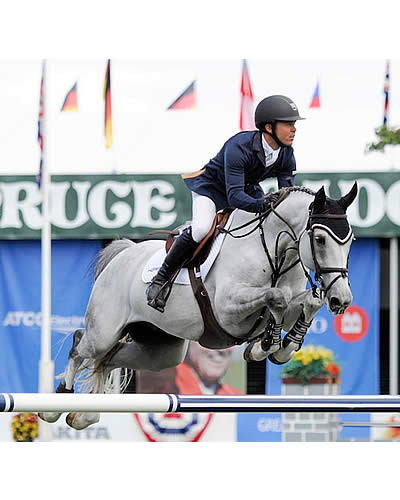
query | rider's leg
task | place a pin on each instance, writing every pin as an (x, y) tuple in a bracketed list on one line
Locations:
[(203, 213), (182, 249)]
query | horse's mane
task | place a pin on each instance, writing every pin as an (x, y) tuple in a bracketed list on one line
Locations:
[(301, 189)]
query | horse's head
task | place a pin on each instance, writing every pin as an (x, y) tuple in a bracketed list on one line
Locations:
[(326, 250)]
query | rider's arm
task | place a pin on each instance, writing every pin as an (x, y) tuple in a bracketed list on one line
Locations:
[(236, 159)]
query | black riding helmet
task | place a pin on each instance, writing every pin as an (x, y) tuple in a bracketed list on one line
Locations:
[(275, 108)]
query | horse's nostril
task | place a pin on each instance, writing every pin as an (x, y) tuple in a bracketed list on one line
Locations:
[(334, 303)]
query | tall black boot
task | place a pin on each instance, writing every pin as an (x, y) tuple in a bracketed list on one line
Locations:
[(159, 289)]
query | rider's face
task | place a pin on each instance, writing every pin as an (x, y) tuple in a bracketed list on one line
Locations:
[(285, 131)]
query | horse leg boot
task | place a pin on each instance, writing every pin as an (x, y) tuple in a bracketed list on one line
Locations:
[(277, 301), (160, 287), (295, 338), (67, 381)]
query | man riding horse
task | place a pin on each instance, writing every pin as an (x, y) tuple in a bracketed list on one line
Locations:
[(232, 179)]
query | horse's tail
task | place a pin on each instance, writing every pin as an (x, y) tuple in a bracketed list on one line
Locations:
[(105, 256)]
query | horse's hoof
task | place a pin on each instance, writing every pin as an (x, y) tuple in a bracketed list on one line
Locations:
[(272, 358), (49, 417), (80, 421), (61, 389)]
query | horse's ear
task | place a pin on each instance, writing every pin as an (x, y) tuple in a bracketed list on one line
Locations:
[(346, 200), (319, 201)]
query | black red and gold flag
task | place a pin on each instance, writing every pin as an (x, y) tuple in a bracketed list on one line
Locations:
[(71, 99), (186, 100)]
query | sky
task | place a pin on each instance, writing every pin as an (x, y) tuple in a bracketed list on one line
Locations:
[(149, 139)]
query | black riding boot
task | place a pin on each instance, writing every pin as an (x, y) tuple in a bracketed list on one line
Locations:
[(159, 288)]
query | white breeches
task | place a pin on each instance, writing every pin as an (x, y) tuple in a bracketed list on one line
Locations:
[(204, 211)]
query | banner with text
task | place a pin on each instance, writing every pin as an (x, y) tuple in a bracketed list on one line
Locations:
[(20, 306), (112, 206)]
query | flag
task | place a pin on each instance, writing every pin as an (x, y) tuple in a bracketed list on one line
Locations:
[(71, 99), (187, 100), (41, 123), (107, 107), (386, 89), (247, 104), (315, 103)]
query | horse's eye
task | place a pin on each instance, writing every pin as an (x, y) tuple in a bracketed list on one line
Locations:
[(320, 240)]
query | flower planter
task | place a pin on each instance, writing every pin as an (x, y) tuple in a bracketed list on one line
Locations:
[(315, 380)]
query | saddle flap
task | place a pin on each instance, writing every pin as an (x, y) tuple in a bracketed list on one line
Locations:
[(202, 251)]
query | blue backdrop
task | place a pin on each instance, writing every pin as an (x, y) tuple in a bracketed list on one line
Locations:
[(20, 306)]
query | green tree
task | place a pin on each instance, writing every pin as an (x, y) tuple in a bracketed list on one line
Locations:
[(386, 136)]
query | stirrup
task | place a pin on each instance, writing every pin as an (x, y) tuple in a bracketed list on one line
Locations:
[(159, 301)]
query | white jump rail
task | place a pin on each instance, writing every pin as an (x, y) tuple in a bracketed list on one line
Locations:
[(172, 403)]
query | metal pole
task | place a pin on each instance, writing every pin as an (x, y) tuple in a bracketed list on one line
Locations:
[(394, 316), (175, 403), (46, 365)]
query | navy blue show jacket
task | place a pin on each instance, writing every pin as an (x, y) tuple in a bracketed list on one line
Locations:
[(232, 178)]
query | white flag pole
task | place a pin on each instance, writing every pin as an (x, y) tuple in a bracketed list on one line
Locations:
[(46, 365)]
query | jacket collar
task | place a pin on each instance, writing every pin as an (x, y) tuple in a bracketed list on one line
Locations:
[(258, 147)]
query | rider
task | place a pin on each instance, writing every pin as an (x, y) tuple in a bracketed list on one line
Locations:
[(231, 179)]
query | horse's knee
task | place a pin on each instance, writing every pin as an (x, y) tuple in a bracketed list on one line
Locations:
[(277, 300), (311, 306)]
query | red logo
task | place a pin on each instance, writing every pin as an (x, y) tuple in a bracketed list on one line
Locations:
[(353, 325)]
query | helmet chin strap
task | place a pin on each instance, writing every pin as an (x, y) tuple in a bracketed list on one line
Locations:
[(275, 137)]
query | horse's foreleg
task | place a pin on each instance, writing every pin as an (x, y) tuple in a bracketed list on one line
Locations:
[(277, 301), (306, 306)]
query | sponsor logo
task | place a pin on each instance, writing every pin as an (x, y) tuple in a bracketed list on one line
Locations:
[(61, 324), (88, 434), (353, 325), (176, 427), (269, 424)]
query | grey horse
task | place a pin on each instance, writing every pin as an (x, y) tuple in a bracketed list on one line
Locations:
[(257, 289)]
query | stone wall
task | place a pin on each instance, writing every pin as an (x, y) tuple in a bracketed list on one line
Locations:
[(310, 426)]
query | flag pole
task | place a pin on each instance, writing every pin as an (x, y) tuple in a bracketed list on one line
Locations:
[(46, 365)]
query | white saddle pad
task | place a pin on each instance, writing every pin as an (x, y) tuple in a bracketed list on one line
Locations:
[(154, 263)]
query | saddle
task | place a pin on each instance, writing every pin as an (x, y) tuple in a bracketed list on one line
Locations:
[(202, 251)]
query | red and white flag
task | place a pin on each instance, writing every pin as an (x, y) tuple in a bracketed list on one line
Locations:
[(247, 104)]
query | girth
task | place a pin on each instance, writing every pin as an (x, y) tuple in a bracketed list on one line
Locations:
[(214, 336)]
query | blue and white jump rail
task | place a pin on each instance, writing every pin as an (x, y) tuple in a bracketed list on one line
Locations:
[(173, 403)]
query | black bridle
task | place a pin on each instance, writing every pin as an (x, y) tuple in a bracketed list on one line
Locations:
[(320, 270), (277, 265)]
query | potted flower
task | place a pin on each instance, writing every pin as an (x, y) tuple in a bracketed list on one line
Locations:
[(311, 365), (24, 427)]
